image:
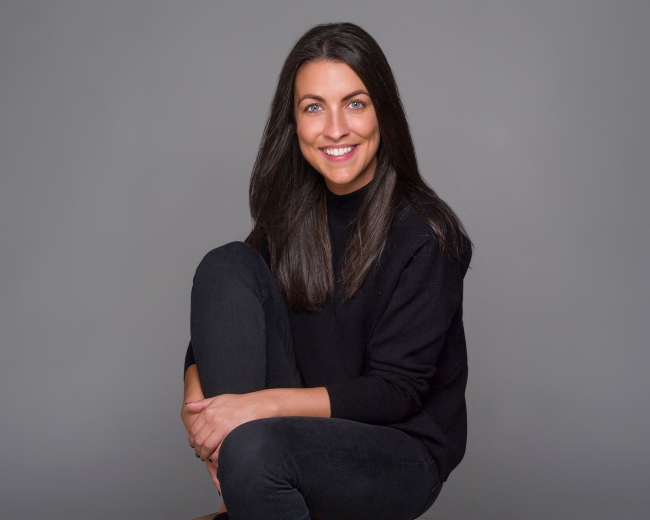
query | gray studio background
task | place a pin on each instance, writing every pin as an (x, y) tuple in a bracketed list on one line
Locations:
[(128, 130)]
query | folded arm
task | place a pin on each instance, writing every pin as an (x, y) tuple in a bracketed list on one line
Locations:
[(208, 421), (192, 392), (405, 344)]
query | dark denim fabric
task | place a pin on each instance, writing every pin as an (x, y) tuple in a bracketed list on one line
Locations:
[(292, 467)]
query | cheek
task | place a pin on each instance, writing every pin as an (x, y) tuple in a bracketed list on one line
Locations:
[(306, 138), (306, 133), (368, 128), (372, 136), (306, 151)]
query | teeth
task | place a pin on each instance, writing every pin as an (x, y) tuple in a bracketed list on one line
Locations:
[(338, 151)]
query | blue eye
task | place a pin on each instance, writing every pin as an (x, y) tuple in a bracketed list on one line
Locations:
[(311, 108), (356, 105)]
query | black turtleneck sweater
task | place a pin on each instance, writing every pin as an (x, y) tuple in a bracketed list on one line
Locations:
[(395, 353)]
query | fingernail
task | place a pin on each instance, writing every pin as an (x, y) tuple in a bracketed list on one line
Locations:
[(203, 460), (211, 461), (219, 492), (197, 455)]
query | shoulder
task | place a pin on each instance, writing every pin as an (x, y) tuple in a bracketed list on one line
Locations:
[(259, 241), (411, 226), (414, 249)]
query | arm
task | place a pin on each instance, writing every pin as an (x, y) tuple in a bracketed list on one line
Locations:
[(208, 421), (414, 345), (192, 392), (218, 416)]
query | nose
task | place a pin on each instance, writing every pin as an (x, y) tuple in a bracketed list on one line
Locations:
[(336, 125)]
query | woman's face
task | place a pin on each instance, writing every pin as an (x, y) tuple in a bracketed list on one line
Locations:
[(336, 125)]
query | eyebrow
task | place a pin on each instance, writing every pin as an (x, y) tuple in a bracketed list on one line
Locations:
[(322, 100)]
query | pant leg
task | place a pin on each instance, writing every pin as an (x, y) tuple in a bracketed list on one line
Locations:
[(290, 467), (240, 332)]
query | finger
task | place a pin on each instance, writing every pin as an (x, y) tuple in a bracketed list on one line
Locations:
[(191, 438), (212, 470), (198, 406), (210, 445), (215, 455), (196, 427), (216, 475), (200, 437), (214, 458)]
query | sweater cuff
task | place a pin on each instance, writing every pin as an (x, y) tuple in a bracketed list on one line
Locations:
[(369, 399), (189, 359)]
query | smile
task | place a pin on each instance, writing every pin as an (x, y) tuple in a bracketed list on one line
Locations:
[(336, 152)]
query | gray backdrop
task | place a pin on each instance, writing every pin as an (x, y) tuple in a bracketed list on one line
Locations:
[(128, 130)]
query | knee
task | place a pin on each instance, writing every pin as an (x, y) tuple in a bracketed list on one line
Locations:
[(227, 262), (251, 454)]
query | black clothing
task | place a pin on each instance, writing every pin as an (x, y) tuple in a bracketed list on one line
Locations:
[(292, 467), (395, 354), (299, 467)]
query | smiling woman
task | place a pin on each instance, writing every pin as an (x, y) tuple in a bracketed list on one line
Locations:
[(336, 125), (327, 365)]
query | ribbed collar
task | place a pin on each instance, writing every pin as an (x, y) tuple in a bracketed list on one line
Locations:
[(345, 206)]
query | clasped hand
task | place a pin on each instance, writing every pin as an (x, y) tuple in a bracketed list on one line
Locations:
[(218, 416)]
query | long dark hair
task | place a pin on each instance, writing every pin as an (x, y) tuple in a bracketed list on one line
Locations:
[(287, 195)]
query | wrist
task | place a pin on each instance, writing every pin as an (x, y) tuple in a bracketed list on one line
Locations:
[(188, 417), (271, 404), (310, 402)]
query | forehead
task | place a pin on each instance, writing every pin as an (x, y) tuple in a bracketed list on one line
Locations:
[(326, 79)]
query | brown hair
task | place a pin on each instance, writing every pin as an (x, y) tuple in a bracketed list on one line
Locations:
[(287, 195)]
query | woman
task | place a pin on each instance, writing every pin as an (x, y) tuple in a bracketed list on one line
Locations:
[(330, 345)]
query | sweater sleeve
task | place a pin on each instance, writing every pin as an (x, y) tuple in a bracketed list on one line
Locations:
[(406, 342), (189, 358)]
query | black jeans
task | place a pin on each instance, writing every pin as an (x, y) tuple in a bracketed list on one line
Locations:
[(291, 467)]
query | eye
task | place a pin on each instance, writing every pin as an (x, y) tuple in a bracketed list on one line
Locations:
[(356, 104), (312, 108)]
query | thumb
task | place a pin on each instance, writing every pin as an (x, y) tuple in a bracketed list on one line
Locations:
[(198, 406)]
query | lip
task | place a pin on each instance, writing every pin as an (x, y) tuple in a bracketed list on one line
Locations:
[(339, 158)]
